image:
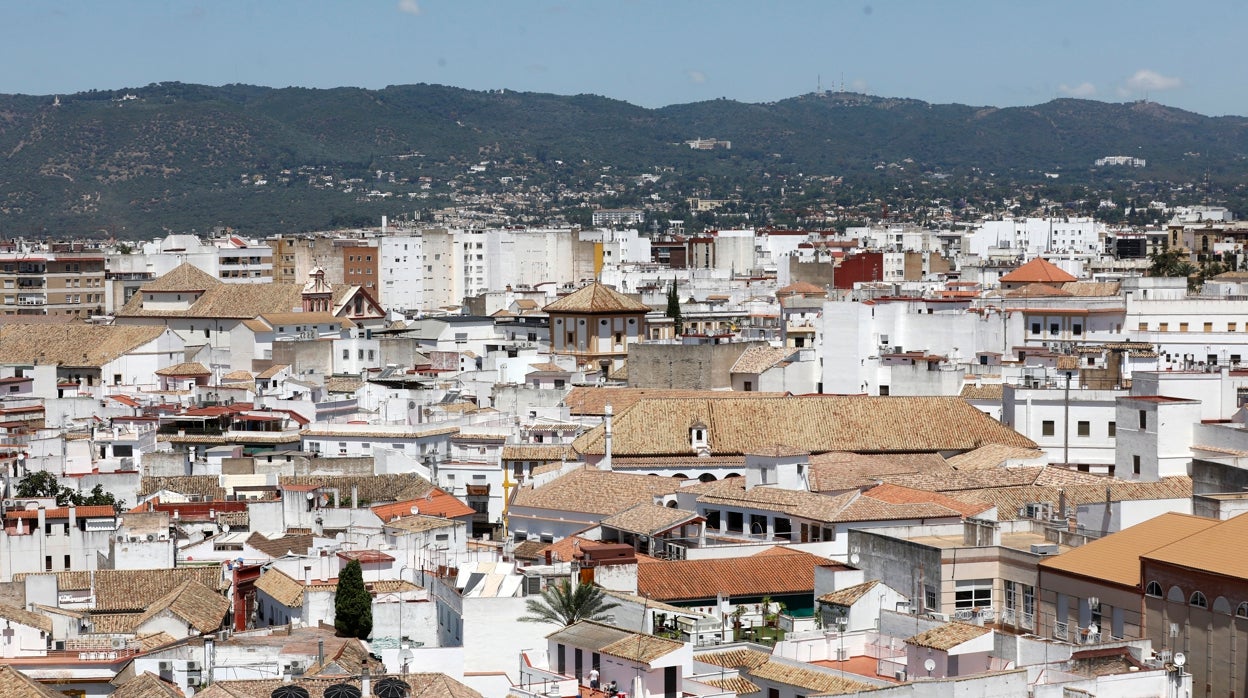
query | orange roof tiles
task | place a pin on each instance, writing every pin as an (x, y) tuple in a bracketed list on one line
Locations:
[(898, 494), (1214, 549), (776, 571), (436, 502), (1038, 270), (596, 298)]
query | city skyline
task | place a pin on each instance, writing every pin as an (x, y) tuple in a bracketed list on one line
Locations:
[(646, 52)]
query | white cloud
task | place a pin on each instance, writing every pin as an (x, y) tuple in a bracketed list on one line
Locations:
[(1152, 81), (696, 76), (410, 7), (1082, 91)]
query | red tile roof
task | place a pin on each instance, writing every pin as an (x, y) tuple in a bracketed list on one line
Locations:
[(1038, 270), (436, 503), (897, 494), (774, 571), (63, 513)]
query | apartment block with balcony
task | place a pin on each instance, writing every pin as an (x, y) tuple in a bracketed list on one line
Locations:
[(52, 284)]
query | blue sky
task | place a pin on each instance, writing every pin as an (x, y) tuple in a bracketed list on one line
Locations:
[(648, 52)]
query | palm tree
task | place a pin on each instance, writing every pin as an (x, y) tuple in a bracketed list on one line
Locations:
[(561, 603)]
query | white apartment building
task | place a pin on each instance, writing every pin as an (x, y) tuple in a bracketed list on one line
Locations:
[(401, 283), (1033, 236)]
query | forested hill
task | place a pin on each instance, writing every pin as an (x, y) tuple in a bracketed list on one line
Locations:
[(172, 156)]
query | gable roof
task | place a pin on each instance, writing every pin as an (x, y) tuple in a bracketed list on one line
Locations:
[(221, 300), (593, 491), (774, 571), (71, 344), (596, 298), (147, 685), (814, 423), (947, 636), (119, 591), (15, 684), (992, 456), (649, 519), (759, 359), (849, 595), (184, 277), (897, 494), (283, 588), (1038, 270), (436, 502), (583, 400), (812, 680), (1115, 559), (28, 618), (615, 641), (190, 368), (844, 470)]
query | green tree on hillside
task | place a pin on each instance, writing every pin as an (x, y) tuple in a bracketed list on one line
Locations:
[(673, 309), (353, 605)]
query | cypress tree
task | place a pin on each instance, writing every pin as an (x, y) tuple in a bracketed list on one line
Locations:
[(673, 309), (353, 605)]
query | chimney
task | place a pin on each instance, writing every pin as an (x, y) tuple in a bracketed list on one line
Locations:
[(605, 463), (73, 517), (307, 575), (42, 516), (320, 651), (366, 681), (355, 496)]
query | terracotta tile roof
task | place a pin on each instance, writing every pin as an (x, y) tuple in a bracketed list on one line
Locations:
[(1210, 550), (992, 456), (28, 618), (785, 571), (565, 549), (1011, 500), (151, 641), (592, 400), (549, 453), (736, 684), (436, 502), (985, 391), (418, 523), (202, 485), (759, 359), (529, 550), (1038, 270), (281, 587), (838, 470), (642, 648), (649, 519), (1037, 290), (15, 684), (370, 488), (201, 607), (342, 384), (947, 636), (954, 480), (297, 543), (596, 298), (593, 491), (735, 658), (71, 345), (1085, 289), (844, 507), (818, 424), (803, 288), (896, 494), (89, 512), (813, 681), (849, 595), (147, 685), (131, 590), (307, 318), (238, 301), (192, 368), (184, 277), (1116, 558)]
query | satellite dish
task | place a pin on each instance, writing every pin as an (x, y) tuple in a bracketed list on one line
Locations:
[(225, 528), (311, 495), (853, 559), (929, 664), (415, 510), (1180, 659)]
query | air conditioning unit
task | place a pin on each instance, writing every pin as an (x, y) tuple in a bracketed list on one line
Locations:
[(842, 654), (1044, 548), (121, 538), (119, 643), (10, 504), (297, 668), (900, 675), (942, 617), (151, 537), (194, 681), (165, 667), (192, 666)]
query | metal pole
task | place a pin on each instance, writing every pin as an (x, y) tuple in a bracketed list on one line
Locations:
[(1066, 425)]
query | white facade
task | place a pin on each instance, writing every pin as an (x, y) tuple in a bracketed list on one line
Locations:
[(1155, 437), (401, 283)]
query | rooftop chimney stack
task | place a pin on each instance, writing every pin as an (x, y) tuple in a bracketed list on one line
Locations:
[(605, 463)]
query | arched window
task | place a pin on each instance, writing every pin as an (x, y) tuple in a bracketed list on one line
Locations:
[(1198, 599), (1153, 589), (1175, 595), (1242, 611), (1221, 605)]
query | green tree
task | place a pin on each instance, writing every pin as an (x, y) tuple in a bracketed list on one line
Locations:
[(562, 604), (40, 483), (673, 309), (44, 484), (353, 605)]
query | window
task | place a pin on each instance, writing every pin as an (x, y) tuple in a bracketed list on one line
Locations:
[(1029, 599), (1163, 327), (1182, 326), (884, 390), (1198, 600), (973, 593), (1047, 428), (929, 597), (749, 386), (1112, 429), (346, 354), (1230, 327), (1053, 328), (1085, 428), (69, 564), (1076, 330), (47, 563), (1143, 327), (1135, 464), (1035, 328), (1242, 611), (1208, 327), (1011, 595)]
